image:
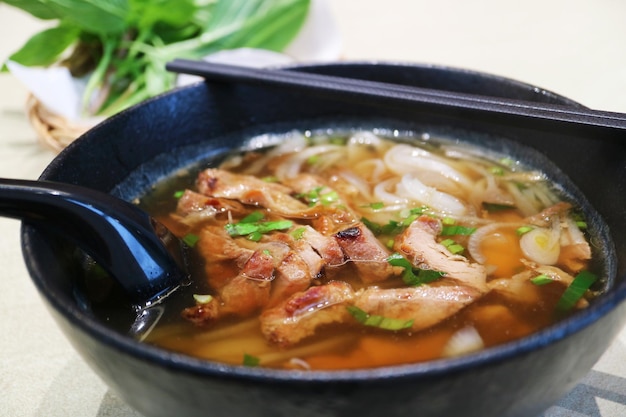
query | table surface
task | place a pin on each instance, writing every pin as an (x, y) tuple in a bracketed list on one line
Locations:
[(572, 47)]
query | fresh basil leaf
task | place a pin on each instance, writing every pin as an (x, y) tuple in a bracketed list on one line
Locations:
[(38, 8), (95, 16), (171, 12), (244, 23), (44, 48), (271, 25)]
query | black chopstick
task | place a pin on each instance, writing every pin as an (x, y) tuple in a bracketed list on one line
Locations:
[(373, 92)]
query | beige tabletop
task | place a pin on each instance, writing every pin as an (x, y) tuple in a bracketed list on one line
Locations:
[(573, 47)]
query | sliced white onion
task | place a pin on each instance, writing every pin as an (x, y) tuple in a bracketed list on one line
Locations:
[(465, 340), (372, 169), (476, 239), (541, 245), (412, 188), (294, 142)]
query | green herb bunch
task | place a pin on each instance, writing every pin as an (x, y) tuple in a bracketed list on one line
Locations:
[(122, 45)]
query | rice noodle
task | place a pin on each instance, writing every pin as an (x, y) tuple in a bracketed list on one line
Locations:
[(316, 348), (412, 188), (403, 159), (228, 331), (358, 183), (525, 205), (293, 165), (372, 169), (295, 143), (382, 193)]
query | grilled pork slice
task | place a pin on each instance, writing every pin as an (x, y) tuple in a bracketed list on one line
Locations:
[(249, 190), (194, 206), (260, 277), (360, 246), (519, 288), (327, 247), (303, 313), (426, 305), (419, 245)]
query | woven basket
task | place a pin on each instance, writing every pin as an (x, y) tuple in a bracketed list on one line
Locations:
[(52, 130)]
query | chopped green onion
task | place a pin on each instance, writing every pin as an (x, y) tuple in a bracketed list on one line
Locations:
[(312, 160), (425, 276), (452, 246), (523, 229), (409, 276), (270, 179), (255, 236), (508, 162), (385, 323), (542, 279), (394, 227), (298, 233), (253, 217), (495, 207), (457, 230), (338, 140), (248, 227), (576, 290), (419, 210), (448, 221), (203, 298), (249, 360), (499, 171), (520, 186), (329, 198), (581, 224), (374, 227), (375, 206), (316, 196), (178, 194), (191, 239)]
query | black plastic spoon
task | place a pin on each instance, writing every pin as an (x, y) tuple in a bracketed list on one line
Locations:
[(140, 253)]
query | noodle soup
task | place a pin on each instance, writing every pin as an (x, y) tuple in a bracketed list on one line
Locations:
[(356, 250)]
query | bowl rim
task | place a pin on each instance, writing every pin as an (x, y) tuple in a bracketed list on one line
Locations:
[(181, 362)]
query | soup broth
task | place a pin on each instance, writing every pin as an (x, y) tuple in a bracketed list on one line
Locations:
[(356, 250)]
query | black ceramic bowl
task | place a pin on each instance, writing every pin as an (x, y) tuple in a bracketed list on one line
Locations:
[(129, 152)]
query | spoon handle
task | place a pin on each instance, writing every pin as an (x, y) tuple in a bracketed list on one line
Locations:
[(123, 239)]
